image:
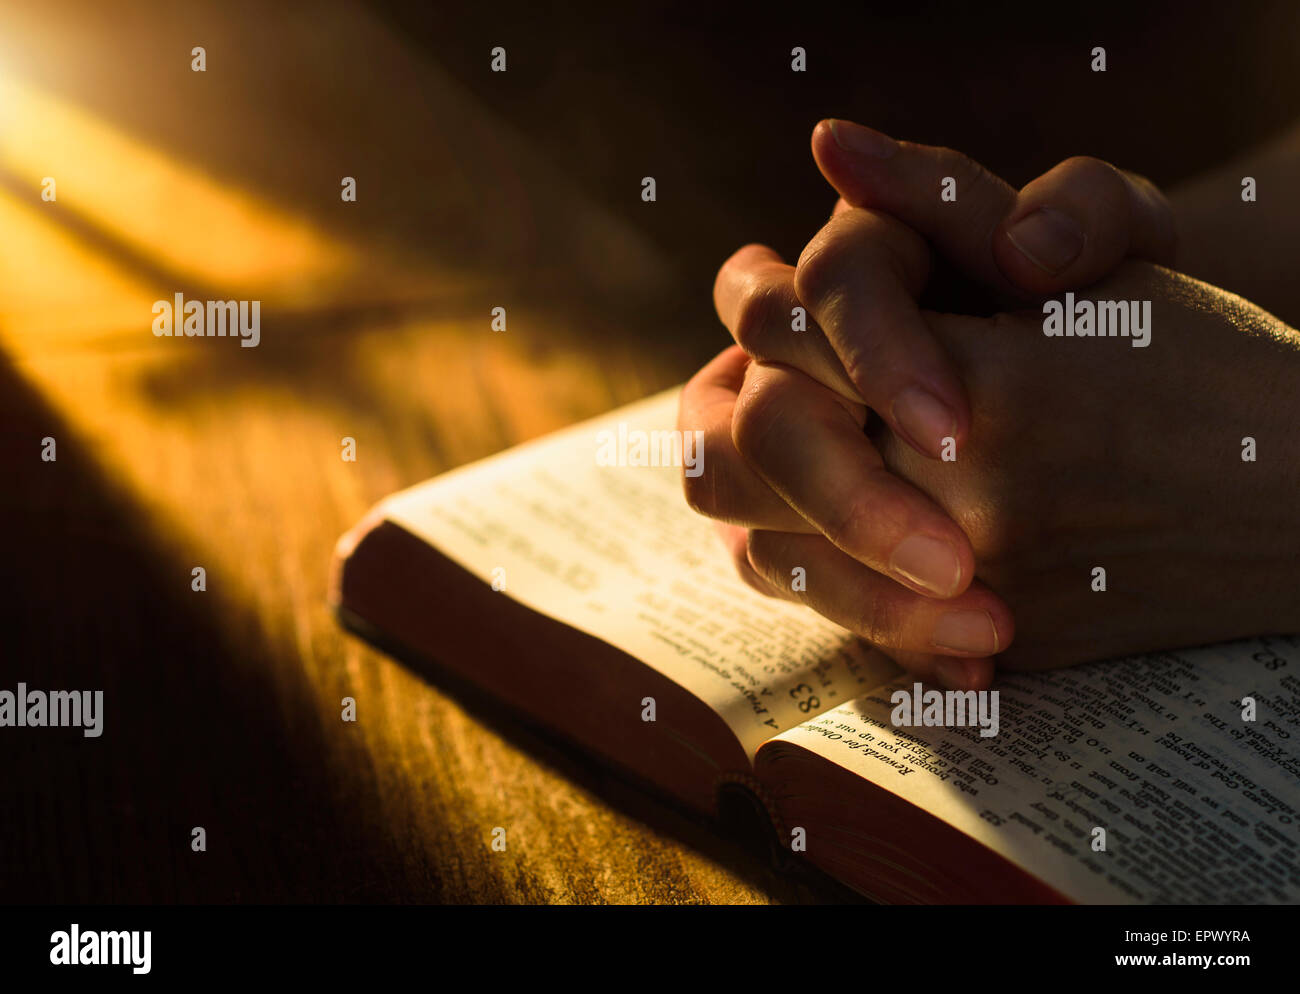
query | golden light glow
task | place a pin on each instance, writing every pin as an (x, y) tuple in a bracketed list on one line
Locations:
[(55, 288), (160, 208)]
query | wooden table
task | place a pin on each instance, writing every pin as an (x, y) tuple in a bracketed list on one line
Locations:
[(223, 705)]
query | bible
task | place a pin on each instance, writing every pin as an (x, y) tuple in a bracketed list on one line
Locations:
[(581, 591)]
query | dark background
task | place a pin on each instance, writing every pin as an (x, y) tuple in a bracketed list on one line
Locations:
[(701, 95), (224, 710)]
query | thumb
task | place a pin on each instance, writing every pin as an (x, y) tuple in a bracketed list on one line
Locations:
[(1077, 222), (1066, 229)]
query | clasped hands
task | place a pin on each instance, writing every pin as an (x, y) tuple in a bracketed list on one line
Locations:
[(948, 486)]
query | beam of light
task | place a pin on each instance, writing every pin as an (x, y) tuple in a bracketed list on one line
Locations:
[(54, 289), (157, 207)]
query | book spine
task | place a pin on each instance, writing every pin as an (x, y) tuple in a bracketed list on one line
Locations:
[(761, 794), (758, 817)]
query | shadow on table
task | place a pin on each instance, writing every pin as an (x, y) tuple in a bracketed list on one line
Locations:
[(202, 726)]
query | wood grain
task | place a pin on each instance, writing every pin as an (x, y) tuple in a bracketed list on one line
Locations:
[(223, 706)]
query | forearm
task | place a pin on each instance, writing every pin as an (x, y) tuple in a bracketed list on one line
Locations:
[(1247, 247)]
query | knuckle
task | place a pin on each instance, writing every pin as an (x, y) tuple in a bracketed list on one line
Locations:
[(701, 494), (858, 364), (821, 268), (1105, 182), (740, 556), (962, 166), (846, 529), (855, 242), (740, 560), (978, 181), (981, 191), (759, 552), (755, 418), (762, 308), (715, 492), (1088, 167), (1147, 188), (879, 621)]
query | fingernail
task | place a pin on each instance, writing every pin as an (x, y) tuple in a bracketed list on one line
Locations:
[(1047, 238), (966, 631), (925, 418), (862, 141), (929, 562), (951, 673)]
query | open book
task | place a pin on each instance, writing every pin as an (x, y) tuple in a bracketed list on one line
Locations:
[(590, 597)]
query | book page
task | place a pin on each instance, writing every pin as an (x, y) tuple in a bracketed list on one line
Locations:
[(613, 550), (1197, 804)]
